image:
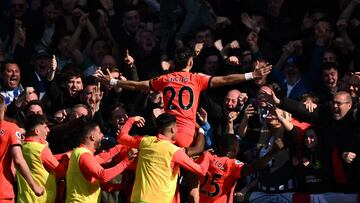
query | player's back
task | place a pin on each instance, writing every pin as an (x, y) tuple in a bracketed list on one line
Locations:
[(222, 175), (181, 92)]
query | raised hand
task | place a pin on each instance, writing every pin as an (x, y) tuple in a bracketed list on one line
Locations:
[(202, 115), (77, 12), (243, 98), (261, 70), (249, 111), (349, 156), (83, 20), (276, 100), (218, 45), (250, 22), (355, 22), (108, 5), (165, 65), (104, 79), (235, 45), (310, 106), (53, 65), (96, 94), (232, 116), (129, 60), (198, 47), (132, 153), (307, 21), (20, 33), (233, 60), (139, 121), (289, 48)]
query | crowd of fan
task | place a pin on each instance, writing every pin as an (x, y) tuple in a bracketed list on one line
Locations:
[(50, 50)]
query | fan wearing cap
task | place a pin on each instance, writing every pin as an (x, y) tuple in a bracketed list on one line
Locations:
[(292, 82), (41, 64)]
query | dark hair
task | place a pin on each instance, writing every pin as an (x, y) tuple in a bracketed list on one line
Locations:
[(107, 45), (204, 28), (227, 141), (90, 80), (87, 128), (182, 56), (34, 120), (33, 102), (305, 96), (330, 65), (164, 121), (5, 63), (130, 8)]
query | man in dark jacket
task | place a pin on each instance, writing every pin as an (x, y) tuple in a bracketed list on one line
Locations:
[(340, 122)]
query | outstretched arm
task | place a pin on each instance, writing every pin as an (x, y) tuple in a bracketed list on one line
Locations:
[(259, 72), (186, 162), (126, 84)]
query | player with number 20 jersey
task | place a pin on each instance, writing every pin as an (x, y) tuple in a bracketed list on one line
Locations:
[(181, 92)]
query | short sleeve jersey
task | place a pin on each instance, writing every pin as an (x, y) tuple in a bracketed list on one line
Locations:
[(181, 92), (9, 136), (222, 175)]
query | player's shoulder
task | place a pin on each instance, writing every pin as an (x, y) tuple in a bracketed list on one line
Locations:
[(200, 74), (237, 163), (9, 124)]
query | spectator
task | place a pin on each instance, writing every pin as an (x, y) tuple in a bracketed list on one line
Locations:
[(10, 78)]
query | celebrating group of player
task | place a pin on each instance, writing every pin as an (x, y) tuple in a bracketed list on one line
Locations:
[(159, 158)]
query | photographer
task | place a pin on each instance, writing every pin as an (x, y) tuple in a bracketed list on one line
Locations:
[(261, 131)]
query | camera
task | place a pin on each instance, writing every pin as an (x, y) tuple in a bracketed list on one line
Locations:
[(264, 105)]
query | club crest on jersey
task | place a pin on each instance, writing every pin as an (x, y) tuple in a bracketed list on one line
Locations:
[(18, 134), (2, 132), (238, 162)]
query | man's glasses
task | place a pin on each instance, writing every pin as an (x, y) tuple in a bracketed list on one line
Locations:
[(339, 103)]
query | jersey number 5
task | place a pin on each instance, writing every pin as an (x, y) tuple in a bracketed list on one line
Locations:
[(172, 91), (212, 183)]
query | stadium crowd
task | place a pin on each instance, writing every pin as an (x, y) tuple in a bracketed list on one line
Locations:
[(201, 101)]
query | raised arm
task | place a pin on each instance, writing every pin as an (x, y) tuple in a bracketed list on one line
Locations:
[(126, 84), (90, 167), (259, 72), (186, 162), (124, 137)]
